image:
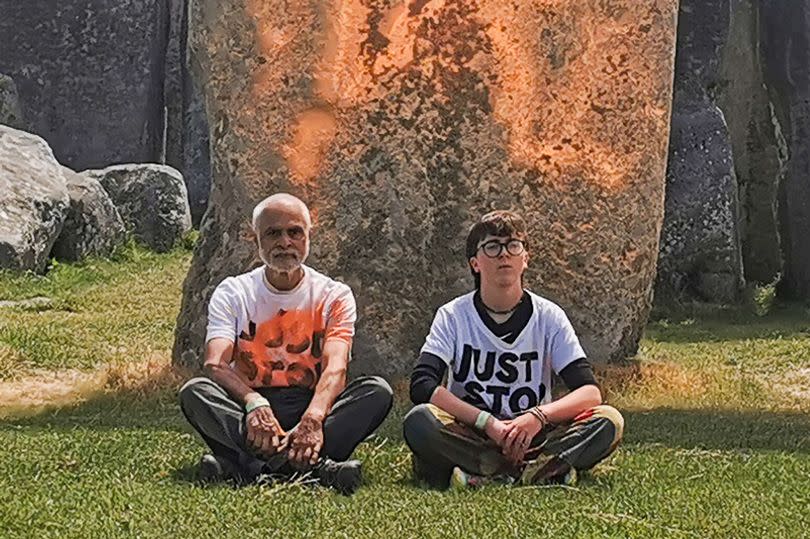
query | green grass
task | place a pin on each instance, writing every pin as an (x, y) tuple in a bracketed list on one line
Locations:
[(122, 309), (716, 444)]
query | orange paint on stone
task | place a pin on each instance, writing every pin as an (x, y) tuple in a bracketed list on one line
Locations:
[(313, 133), (529, 54), (564, 141), (341, 77), (399, 27)]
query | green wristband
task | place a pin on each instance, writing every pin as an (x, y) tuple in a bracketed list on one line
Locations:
[(256, 403), (481, 420)]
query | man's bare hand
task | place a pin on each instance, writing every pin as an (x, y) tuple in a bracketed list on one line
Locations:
[(305, 442), (520, 433), (264, 434)]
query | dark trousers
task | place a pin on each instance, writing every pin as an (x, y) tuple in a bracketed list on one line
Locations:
[(220, 420), (439, 443)]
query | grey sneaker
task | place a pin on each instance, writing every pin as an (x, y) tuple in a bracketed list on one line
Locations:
[(461, 480), (548, 471), (345, 477), (214, 469)]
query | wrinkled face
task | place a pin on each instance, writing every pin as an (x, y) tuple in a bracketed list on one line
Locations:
[(501, 264), (282, 233)]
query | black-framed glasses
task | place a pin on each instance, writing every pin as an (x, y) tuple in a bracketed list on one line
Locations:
[(494, 248)]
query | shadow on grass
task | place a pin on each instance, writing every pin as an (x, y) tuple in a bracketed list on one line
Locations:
[(719, 430), (785, 321), (670, 427)]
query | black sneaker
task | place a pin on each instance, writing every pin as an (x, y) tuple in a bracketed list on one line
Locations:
[(345, 477), (214, 469)]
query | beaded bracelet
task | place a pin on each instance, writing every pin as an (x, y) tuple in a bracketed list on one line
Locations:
[(540, 415)]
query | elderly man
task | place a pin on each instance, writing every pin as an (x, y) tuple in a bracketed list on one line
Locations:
[(498, 346), (275, 400)]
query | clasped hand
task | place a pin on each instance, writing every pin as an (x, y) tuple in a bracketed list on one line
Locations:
[(514, 436), (264, 433), (266, 437)]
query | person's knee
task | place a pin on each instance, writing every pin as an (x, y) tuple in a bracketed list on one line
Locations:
[(191, 392), (419, 427), (381, 394), (615, 417)]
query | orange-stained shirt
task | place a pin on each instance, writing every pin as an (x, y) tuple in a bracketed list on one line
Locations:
[(279, 335)]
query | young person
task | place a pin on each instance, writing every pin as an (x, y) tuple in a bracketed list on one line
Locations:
[(497, 346)]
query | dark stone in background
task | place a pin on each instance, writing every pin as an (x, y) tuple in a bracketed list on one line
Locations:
[(90, 76), (187, 138), (151, 199), (700, 248), (93, 77), (755, 140), (786, 55), (93, 226), (10, 110), (700, 253)]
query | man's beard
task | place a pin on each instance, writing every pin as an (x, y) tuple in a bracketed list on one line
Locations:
[(288, 265)]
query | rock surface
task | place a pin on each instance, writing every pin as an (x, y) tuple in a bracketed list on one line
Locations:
[(187, 139), (786, 54), (756, 141), (90, 76), (10, 110), (93, 225), (151, 199), (700, 251), (700, 247), (400, 126), (33, 200)]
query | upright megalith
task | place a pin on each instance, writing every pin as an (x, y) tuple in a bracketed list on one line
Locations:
[(700, 253), (786, 53), (400, 125), (89, 75)]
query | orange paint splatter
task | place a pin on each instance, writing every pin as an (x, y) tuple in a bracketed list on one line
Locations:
[(284, 351), (528, 54), (313, 132)]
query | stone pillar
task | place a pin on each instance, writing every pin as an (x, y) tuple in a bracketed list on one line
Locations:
[(786, 53), (90, 76), (401, 125)]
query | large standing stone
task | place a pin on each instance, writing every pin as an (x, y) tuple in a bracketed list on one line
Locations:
[(786, 53), (700, 247), (401, 125), (151, 199), (90, 76), (187, 139), (93, 226), (33, 200), (10, 110), (196, 142), (700, 253), (755, 139)]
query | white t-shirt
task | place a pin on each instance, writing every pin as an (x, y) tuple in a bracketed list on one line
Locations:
[(279, 335), (491, 374)]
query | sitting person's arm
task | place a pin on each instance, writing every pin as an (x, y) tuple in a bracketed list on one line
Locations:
[(426, 387), (584, 393), (307, 439), (264, 434)]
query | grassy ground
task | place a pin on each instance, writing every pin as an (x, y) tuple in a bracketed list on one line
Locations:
[(717, 441)]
